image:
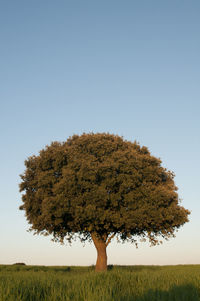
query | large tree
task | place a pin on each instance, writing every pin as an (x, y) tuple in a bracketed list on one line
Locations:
[(97, 186)]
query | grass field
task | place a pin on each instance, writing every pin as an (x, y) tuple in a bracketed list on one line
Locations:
[(120, 283)]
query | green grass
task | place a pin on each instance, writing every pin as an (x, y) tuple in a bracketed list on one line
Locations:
[(122, 283)]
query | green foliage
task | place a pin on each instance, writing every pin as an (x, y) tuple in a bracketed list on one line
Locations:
[(138, 283), (103, 184)]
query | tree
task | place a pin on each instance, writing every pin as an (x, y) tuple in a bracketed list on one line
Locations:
[(97, 186)]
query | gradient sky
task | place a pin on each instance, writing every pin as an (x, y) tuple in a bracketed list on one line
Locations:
[(130, 68)]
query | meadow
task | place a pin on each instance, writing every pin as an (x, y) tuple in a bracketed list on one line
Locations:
[(119, 283)]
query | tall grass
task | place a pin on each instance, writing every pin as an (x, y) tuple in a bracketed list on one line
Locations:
[(131, 283)]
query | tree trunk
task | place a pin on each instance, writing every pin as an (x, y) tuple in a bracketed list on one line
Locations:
[(100, 244)]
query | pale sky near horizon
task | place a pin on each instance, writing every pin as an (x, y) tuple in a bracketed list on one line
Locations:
[(130, 68)]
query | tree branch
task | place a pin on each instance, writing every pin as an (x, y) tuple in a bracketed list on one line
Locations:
[(109, 239)]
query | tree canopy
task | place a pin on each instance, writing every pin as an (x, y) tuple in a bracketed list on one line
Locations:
[(97, 186)]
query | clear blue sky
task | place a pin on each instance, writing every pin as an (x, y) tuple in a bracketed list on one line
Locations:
[(130, 68)]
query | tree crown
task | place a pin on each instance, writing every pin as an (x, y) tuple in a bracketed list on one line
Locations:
[(103, 184)]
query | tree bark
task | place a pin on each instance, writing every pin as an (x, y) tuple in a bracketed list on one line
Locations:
[(100, 244)]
